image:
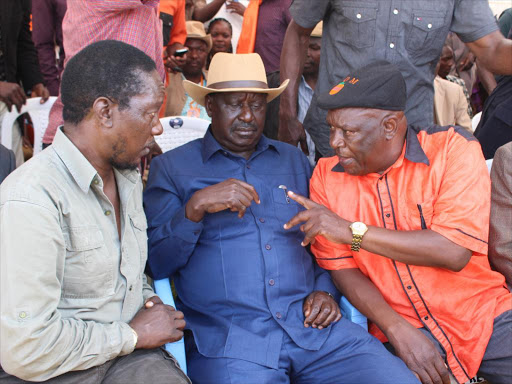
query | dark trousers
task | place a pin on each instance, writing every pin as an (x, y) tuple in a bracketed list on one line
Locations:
[(153, 366)]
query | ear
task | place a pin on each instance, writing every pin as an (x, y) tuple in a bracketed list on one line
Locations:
[(102, 108), (209, 104), (391, 124)]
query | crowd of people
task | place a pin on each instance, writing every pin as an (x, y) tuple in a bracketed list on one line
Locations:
[(341, 159)]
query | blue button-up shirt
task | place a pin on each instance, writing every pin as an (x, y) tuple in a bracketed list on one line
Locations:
[(241, 282)]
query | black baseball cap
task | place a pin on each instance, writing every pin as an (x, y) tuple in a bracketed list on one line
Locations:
[(378, 85)]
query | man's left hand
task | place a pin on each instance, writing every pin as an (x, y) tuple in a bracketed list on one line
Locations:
[(319, 221), (39, 90), (320, 310)]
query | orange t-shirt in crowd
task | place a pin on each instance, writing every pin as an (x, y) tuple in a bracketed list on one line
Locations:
[(175, 8), (439, 182)]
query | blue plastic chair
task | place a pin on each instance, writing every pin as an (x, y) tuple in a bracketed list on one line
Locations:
[(177, 349)]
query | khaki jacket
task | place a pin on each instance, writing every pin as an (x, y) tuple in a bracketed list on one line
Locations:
[(450, 104), (176, 95), (500, 229)]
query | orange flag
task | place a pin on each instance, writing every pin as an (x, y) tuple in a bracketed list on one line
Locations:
[(250, 24)]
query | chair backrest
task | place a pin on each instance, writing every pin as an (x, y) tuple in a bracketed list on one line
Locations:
[(177, 349), (489, 164), (475, 120), (179, 130), (39, 113)]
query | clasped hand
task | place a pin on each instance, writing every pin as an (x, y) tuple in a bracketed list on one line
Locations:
[(157, 324)]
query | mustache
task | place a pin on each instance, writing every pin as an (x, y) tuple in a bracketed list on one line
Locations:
[(245, 126)]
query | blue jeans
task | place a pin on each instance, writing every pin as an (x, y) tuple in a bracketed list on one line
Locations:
[(350, 355)]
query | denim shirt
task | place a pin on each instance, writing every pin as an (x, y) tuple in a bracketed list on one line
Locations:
[(407, 33), (241, 282)]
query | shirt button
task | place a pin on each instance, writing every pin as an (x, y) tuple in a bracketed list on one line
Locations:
[(391, 45), (268, 247), (358, 15), (107, 213), (426, 317), (248, 166), (395, 11), (409, 287), (429, 26), (271, 282), (278, 315), (262, 220), (388, 214), (131, 287), (96, 181), (22, 315)]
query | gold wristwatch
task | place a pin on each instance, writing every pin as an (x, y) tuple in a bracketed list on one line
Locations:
[(358, 230)]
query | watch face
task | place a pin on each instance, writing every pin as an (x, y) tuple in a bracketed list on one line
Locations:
[(358, 226)]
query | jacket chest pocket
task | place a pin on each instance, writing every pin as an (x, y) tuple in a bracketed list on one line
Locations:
[(139, 226), (88, 270), (424, 36), (357, 23)]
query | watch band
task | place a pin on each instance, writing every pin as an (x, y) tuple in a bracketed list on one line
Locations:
[(356, 242)]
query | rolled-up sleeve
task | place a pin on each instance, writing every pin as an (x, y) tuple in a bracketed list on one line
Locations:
[(37, 342), (172, 237)]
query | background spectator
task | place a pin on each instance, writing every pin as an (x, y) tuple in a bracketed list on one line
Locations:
[(233, 11), (306, 88), (221, 32), (47, 16), (411, 39), (264, 29), (130, 21), (450, 104), (500, 235), (18, 64), (7, 162), (178, 101), (174, 31)]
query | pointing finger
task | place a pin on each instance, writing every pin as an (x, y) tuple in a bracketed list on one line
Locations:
[(304, 201)]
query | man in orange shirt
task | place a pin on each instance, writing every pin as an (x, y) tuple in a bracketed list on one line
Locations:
[(401, 216)]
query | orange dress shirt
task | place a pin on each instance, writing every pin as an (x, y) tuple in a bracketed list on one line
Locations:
[(439, 182)]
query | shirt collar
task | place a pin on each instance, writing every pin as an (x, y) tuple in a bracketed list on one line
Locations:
[(413, 152), (210, 145), (77, 164)]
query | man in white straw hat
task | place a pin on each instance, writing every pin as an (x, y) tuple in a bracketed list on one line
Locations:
[(258, 309)]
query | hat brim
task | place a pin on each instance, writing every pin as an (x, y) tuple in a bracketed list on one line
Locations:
[(198, 92)]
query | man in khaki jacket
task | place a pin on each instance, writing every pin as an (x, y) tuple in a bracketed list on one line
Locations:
[(75, 305)]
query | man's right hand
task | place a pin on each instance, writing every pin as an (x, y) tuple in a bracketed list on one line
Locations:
[(12, 94), (291, 131), (419, 354), (157, 325), (231, 194)]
